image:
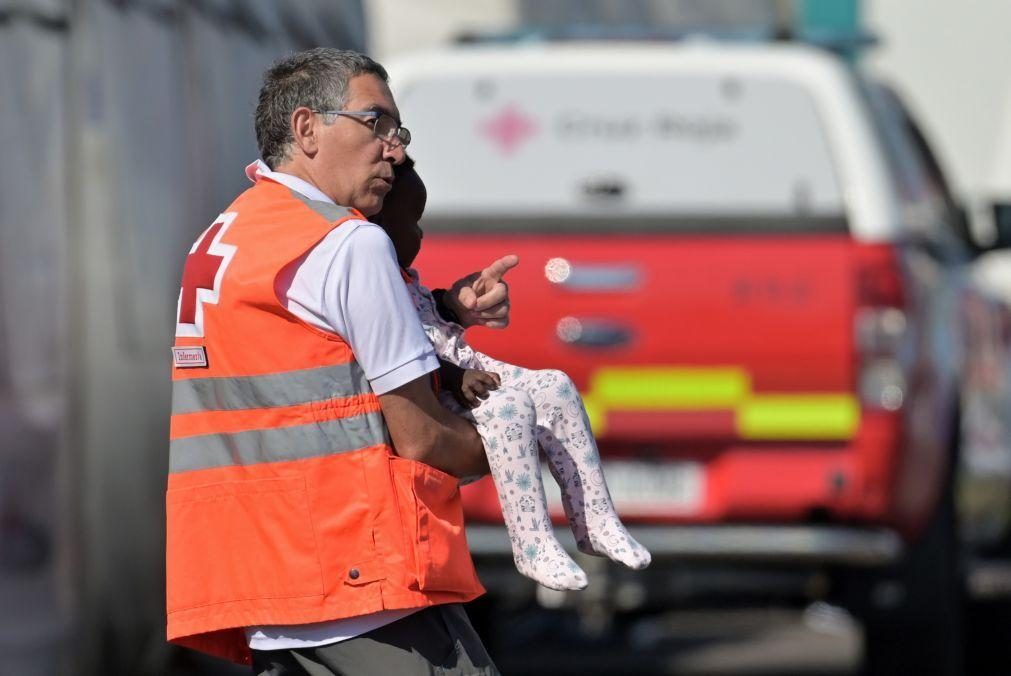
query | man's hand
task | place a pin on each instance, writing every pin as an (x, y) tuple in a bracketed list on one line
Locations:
[(482, 298)]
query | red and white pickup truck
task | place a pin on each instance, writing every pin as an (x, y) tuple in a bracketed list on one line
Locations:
[(748, 260)]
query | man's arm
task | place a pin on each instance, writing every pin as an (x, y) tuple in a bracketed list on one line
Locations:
[(422, 429), (352, 283)]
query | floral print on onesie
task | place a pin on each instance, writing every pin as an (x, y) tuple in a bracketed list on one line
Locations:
[(533, 411)]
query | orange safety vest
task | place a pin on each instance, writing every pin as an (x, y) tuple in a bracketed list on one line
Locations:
[(286, 503)]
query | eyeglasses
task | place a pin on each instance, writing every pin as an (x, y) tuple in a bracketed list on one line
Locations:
[(384, 126)]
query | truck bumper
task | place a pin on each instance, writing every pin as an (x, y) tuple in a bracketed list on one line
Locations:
[(838, 545), (693, 565)]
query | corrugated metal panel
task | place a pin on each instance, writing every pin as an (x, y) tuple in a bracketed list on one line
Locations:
[(131, 127), (44, 8), (32, 280), (324, 23), (32, 198)]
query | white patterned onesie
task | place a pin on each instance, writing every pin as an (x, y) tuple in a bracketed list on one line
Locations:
[(531, 410)]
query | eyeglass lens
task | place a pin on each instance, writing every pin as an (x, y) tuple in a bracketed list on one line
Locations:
[(387, 128)]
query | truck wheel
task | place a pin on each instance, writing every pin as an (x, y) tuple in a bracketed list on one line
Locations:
[(914, 613)]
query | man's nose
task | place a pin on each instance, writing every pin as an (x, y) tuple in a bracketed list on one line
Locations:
[(394, 152)]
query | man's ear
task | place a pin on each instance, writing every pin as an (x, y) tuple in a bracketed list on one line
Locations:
[(303, 128)]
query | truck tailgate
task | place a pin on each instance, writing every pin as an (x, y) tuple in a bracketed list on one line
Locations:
[(718, 372), (678, 336)]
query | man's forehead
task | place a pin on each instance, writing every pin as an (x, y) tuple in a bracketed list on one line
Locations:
[(368, 92)]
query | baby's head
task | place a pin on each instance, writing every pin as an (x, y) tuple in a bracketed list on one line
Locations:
[(402, 209)]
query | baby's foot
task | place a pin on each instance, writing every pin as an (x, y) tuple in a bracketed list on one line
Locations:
[(543, 560), (610, 538)]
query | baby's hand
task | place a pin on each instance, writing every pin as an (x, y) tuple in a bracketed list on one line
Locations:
[(475, 385)]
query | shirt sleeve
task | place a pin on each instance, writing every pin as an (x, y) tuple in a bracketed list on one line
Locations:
[(363, 298)]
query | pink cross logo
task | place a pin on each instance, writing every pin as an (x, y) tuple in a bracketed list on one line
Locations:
[(508, 129)]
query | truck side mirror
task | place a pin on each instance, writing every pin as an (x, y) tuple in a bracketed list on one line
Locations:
[(1001, 225), (958, 216), (988, 225)]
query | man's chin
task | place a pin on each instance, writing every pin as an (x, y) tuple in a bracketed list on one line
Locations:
[(371, 207)]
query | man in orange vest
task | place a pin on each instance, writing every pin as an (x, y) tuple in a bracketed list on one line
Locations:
[(314, 519)]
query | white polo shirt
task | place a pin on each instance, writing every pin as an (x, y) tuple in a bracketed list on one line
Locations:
[(350, 284)]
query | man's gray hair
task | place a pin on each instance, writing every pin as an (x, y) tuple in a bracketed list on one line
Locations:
[(316, 78)]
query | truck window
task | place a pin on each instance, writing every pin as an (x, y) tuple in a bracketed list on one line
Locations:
[(907, 168), (643, 151), (916, 173)]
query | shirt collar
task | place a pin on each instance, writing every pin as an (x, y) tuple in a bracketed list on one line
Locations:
[(258, 170)]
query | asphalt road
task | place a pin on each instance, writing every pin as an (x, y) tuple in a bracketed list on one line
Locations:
[(817, 641)]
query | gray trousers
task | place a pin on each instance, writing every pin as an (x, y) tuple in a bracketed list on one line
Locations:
[(438, 640)]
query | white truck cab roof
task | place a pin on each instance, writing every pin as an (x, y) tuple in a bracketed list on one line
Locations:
[(637, 130)]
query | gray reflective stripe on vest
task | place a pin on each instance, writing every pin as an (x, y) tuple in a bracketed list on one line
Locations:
[(268, 391), (277, 444), (330, 212)]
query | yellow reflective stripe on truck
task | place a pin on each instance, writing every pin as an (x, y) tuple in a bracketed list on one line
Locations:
[(663, 388), (797, 415)]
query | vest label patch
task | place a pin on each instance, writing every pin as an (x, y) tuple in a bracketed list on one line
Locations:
[(189, 357)]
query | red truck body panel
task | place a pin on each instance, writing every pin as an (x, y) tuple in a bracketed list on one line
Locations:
[(735, 369)]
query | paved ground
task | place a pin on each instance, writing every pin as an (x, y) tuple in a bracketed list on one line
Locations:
[(817, 641)]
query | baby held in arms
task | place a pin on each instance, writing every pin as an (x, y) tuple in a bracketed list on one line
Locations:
[(517, 412)]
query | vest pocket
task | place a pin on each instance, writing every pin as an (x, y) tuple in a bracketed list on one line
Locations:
[(240, 540), (432, 515)]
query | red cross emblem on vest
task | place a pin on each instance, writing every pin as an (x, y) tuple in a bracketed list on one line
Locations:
[(202, 275)]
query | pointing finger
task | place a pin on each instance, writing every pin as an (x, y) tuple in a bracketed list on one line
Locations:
[(496, 270)]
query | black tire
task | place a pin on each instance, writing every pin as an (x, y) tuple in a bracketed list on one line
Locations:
[(988, 623), (913, 614), (989, 635)]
